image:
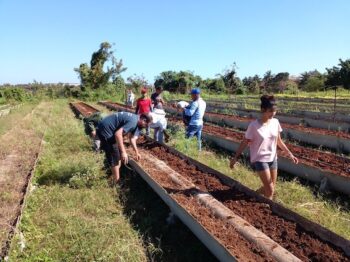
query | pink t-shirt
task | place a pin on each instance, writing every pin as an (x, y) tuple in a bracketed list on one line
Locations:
[(263, 146)]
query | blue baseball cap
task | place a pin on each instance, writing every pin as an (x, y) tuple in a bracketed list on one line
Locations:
[(195, 91)]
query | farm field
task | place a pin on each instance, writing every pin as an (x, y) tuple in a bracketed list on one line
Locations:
[(70, 187), (72, 212), (192, 153), (63, 182), (182, 131)]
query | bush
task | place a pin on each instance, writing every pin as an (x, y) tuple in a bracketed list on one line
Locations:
[(314, 84), (166, 95), (241, 90), (291, 88), (15, 94)]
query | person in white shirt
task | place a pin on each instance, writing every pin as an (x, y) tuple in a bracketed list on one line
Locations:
[(130, 98), (159, 124)]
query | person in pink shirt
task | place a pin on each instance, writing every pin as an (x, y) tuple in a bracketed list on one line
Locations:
[(263, 136)]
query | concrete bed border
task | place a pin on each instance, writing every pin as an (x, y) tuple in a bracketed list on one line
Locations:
[(215, 247), (296, 120), (286, 213), (340, 145), (318, 230), (307, 172)]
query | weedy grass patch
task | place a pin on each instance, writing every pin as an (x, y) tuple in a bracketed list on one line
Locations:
[(72, 214)]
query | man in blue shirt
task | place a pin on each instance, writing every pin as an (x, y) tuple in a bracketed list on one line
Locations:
[(111, 130), (195, 111)]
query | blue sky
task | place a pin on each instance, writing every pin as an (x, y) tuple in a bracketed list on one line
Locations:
[(45, 40)]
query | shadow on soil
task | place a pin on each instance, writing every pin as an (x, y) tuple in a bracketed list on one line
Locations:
[(148, 215)]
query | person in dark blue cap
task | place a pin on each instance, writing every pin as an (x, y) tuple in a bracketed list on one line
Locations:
[(195, 111)]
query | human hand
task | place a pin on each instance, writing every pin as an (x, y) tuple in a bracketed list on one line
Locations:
[(295, 160), (138, 157), (125, 158)]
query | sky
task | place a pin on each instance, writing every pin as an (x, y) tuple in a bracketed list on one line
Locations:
[(45, 40)]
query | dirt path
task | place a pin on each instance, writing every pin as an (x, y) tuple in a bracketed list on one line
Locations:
[(18, 154)]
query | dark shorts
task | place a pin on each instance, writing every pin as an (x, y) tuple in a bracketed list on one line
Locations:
[(111, 150), (261, 166)]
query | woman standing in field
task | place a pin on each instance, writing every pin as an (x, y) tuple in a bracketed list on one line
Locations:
[(263, 136)]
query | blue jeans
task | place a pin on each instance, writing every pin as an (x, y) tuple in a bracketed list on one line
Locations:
[(192, 131)]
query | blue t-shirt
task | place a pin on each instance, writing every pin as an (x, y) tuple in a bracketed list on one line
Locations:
[(112, 123)]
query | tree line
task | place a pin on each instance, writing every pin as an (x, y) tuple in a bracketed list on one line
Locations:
[(93, 76), (102, 78)]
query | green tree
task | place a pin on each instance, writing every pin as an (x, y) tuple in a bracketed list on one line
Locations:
[(137, 81), (339, 76), (94, 76), (345, 73), (267, 80), (231, 79), (252, 84), (177, 82), (333, 78), (312, 81), (215, 85)]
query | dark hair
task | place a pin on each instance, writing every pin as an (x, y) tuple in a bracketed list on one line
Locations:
[(268, 102), (147, 117)]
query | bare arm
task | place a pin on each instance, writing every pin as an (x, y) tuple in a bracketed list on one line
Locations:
[(119, 138), (133, 140), (283, 146), (241, 148)]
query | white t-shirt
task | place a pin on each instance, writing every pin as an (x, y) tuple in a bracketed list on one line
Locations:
[(131, 97), (182, 104), (263, 146), (158, 119)]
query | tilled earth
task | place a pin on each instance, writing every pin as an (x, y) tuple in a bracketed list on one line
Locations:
[(326, 161), (313, 130), (290, 235)]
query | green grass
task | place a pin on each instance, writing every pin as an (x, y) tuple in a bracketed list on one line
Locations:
[(333, 212), (15, 115), (73, 214)]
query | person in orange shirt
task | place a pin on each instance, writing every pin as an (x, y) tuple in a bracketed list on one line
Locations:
[(144, 105)]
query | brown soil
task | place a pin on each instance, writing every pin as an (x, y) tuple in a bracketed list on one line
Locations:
[(290, 235), (226, 234), (326, 161), (218, 108), (340, 134), (117, 106), (313, 130), (18, 153), (84, 109)]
